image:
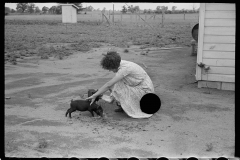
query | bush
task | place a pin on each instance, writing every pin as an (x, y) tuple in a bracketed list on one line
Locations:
[(60, 55), (44, 56)]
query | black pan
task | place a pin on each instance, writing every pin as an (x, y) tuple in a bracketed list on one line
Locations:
[(195, 32)]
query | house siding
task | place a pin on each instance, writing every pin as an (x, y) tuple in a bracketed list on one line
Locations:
[(217, 48)]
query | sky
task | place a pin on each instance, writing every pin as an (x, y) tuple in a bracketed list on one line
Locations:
[(118, 6)]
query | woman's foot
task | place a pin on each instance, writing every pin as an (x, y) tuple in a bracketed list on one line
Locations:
[(119, 107), (119, 110)]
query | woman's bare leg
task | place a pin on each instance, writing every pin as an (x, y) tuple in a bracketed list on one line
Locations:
[(119, 109)]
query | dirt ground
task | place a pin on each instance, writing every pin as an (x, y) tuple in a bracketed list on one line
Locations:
[(191, 121)]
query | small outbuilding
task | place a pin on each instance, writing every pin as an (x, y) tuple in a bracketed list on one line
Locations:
[(69, 13), (216, 46)]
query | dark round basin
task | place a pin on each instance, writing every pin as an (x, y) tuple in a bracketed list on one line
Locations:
[(195, 32), (150, 103)]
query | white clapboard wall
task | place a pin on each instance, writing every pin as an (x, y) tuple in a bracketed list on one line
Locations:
[(216, 42)]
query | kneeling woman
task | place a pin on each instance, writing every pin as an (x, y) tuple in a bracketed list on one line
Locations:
[(128, 86)]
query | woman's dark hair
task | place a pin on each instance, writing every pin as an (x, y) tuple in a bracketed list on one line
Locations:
[(111, 60)]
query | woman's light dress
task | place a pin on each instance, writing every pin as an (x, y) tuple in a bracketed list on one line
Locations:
[(129, 91)]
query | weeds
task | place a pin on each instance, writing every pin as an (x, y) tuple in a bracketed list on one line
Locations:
[(23, 35), (41, 145), (126, 51), (209, 147), (44, 56)]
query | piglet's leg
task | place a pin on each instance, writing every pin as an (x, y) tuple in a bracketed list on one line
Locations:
[(70, 111), (91, 113), (67, 112)]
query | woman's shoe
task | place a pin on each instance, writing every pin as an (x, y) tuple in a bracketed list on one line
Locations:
[(119, 110)]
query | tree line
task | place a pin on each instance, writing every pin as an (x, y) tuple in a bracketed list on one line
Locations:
[(32, 8), (158, 10)]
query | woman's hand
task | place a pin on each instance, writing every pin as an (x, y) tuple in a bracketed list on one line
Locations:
[(105, 87), (92, 97)]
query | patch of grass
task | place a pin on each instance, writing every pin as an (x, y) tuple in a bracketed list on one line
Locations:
[(44, 56), (31, 32), (84, 47), (143, 47), (42, 144), (10, 58), (126, 51), (209, 147), (60, 57)]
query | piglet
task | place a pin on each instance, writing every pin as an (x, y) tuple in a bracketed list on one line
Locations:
[(84, 105)]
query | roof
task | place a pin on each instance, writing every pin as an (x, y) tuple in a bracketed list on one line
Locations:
[(70, 5)]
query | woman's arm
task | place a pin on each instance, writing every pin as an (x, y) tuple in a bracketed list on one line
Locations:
[(106, 87)]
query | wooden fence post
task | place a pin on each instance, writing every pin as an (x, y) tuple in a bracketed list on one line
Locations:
[(102, 17), (113, 13), (121, 17), (138, 16), (162, 17)]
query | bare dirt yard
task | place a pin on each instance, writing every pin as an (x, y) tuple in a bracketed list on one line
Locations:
[(48, 63)]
